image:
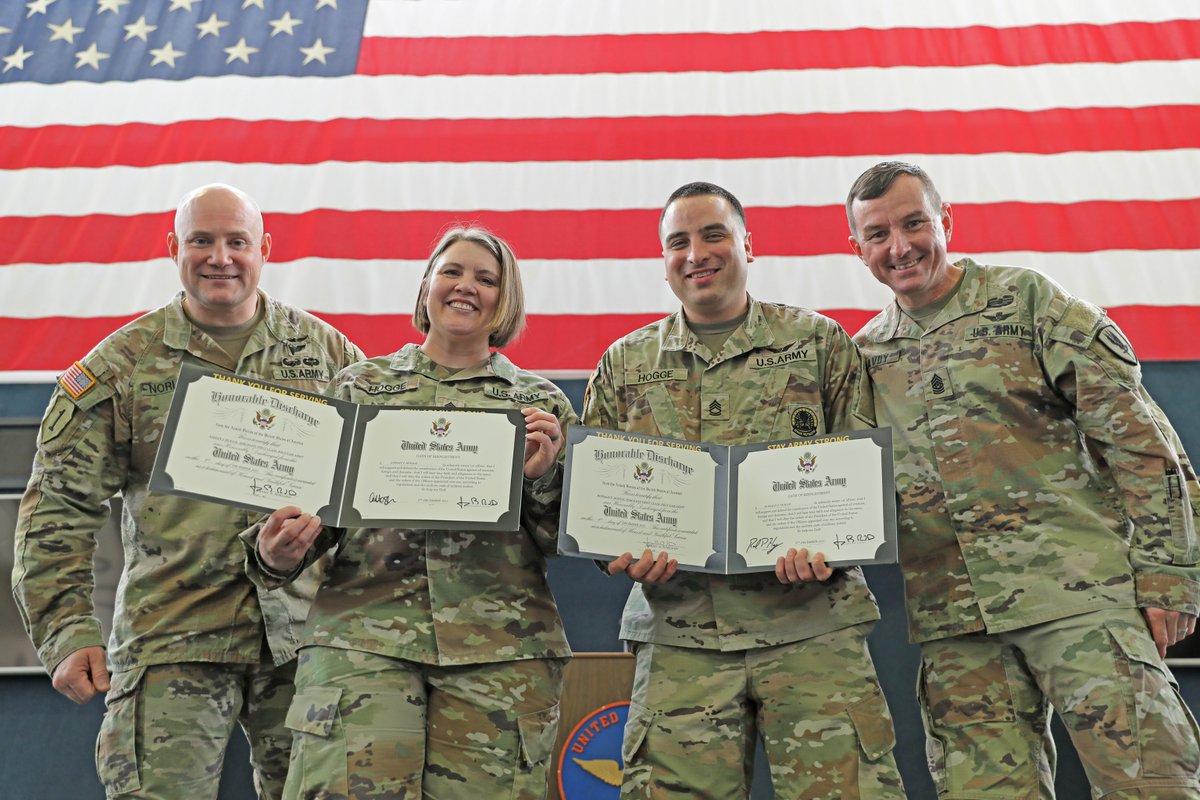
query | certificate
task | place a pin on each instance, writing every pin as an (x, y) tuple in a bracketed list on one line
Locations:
[(238, 441), (728, 510)]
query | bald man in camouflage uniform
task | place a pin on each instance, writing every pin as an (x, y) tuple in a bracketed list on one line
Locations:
[(1047, 531), (195, 648), (721, 658)]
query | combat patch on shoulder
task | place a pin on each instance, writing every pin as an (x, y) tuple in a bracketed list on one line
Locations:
[(77, 381), (765, 360), (57, 418), (406, 385), (634, 377), (515, 394), (1112, 338)]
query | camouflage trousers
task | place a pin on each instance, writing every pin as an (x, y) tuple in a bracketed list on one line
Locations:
[(166, 728), (817, 704), (986, 701), (372, 727)]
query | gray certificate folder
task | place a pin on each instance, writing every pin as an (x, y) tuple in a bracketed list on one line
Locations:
[(729, 510), (243, 442)]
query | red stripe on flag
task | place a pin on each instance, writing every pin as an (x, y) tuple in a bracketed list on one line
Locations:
[(562, 342), (780, 50), (632, 233), (1057, 130)]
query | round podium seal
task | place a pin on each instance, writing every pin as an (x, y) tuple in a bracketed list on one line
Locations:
[(590, 765)]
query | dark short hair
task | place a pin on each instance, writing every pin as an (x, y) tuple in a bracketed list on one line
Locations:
[(878, 179), (509, 320), (700, 188)]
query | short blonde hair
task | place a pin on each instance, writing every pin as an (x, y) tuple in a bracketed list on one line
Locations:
[(509, 320)]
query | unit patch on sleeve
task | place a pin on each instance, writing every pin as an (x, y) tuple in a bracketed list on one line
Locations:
[(1111, 338), (77, 381)]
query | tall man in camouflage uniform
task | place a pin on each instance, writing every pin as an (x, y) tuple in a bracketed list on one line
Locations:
[(1047, 534), (720, 659), (195, 648)]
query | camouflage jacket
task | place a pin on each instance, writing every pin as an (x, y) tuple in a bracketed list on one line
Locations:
[(786, 373), (1037, 479), (183, 595), (439, 596)]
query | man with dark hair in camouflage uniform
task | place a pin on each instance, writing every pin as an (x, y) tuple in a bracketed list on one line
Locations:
[(720, 659), (195, 648), (1047, 534)]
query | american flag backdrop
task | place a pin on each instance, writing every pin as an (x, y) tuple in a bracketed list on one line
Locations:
[(1065, 134)]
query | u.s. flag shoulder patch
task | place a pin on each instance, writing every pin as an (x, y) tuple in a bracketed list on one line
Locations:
[(77, 381)]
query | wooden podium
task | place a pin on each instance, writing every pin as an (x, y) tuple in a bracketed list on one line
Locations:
[(591, 681)]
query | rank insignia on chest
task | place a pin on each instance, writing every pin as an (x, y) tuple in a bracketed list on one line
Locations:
[(714, 406), (938, 386), (804, 421)]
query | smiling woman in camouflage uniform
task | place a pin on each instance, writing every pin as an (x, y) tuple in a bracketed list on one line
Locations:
[(433, 659)]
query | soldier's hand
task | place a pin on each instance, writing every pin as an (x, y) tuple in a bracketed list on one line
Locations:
[(285, 538), (81, 674), (1168, 627), (543, 440), (796, 568), (646, 569)]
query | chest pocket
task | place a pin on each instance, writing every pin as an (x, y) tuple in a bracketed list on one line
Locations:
[(653, 397), (785, 402)]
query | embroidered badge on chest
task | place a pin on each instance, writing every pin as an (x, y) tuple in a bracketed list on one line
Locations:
[(804, 422)]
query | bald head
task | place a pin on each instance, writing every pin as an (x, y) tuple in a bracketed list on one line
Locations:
[(213, 191)]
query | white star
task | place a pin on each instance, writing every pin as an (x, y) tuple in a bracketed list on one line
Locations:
[(247, 3), (37, 7), (110, 5), (240, 52), (186, 5), (139, 29), (66, 31), (91, 57), (4, 30), (17, 59), (284, 24), (165, 55), (211, 25), (317, 52), (322, 3)]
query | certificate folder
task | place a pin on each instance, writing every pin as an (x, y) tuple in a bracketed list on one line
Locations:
[(728, 510), (243, 442)]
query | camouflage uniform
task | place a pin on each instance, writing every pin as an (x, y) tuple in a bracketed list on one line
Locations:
[(786, 372), (183, 595), (433, 659), (1044, 498)]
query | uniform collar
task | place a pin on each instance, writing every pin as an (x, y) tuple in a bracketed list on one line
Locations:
[(755, 332), (970, 297), (180, 334), (411, 358)]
